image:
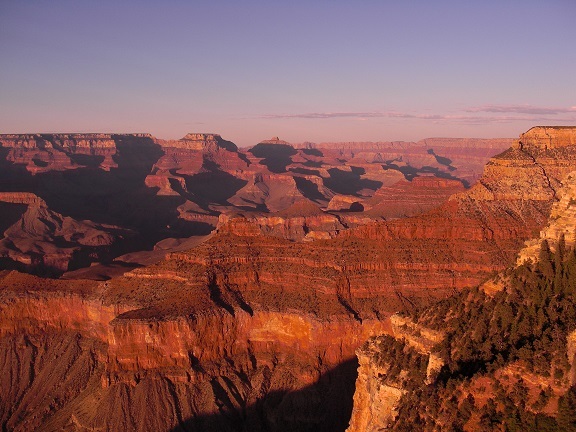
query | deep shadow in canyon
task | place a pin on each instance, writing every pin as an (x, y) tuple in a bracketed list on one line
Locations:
[(325, 406), (308, 189), (349, 182), (276, 157), (117, 197)]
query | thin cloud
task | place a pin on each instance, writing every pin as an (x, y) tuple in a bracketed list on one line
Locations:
[(360, 115), (529, 115), (326, 115), (522, 109)]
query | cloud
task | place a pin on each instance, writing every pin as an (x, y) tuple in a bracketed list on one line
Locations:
[(326, 115), (359, 115), (520, 113), (522, 109)]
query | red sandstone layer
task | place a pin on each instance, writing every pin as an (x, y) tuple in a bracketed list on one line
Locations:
[(247, 329)]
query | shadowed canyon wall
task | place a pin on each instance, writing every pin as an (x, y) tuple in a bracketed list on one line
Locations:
[(537, 172), (247, 331), (133, 193)]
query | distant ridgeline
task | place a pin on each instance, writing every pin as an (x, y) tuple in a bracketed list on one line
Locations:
[(137, 193), (232, 287)]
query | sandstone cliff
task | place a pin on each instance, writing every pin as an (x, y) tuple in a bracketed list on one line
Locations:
[(145, 364), (561, 224), (379, 386), (498, 371), (164, 191), (375, 401), (247, 330)]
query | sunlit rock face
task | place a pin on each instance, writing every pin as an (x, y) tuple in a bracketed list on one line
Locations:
[(529, 188), (106, 351), (140, 195), (257, 325), (374, 401)]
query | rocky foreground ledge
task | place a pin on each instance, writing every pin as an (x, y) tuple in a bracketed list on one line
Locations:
[(424, 375)]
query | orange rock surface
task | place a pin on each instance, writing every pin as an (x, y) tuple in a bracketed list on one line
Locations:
[(162, 191), (252, 330)]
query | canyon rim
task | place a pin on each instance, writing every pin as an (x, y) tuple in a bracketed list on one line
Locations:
[(151, 284)]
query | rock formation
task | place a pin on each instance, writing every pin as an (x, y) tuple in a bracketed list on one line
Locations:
[(37, 239), (375, 401), (164, 191), (561, 224), (405, 199), (376, 398), (542, 162), (130, 362), (253, 328), (303, 220)]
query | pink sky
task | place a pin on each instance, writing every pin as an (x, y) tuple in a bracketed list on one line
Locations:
[(304, 71)]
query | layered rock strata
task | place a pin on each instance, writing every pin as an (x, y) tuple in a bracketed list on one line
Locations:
[(166, 190), (248, 330), (535, 175), (138, 365)]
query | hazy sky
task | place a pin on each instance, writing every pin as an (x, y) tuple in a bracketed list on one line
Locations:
[(302, 70)]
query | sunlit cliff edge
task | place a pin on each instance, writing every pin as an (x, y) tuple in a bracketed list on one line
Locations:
[(251, 329), (539, 166)]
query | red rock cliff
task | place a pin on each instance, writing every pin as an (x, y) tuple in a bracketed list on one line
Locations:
[(250, 329)]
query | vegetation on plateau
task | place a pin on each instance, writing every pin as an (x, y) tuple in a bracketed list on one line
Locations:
[(506, 364)]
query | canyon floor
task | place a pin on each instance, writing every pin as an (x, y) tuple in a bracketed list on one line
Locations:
[(192, 285)]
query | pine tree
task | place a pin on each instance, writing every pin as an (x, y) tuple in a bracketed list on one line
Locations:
[(545, 260), (567, 411)]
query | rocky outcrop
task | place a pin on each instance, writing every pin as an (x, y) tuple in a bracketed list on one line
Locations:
[(535, 173), (410, 198), (200, 142), (270, 192), (301, 221), (549, 137), (530, 169), (375, 402), (207, 367), (383, 380), (40, 240), (345, 202), (275, 140), (561, 224)]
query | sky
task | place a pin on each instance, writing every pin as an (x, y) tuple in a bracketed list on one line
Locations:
[(363, 70)]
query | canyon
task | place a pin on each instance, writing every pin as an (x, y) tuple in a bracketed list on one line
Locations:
[(199, 286), (133, 193), (440, 333)]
